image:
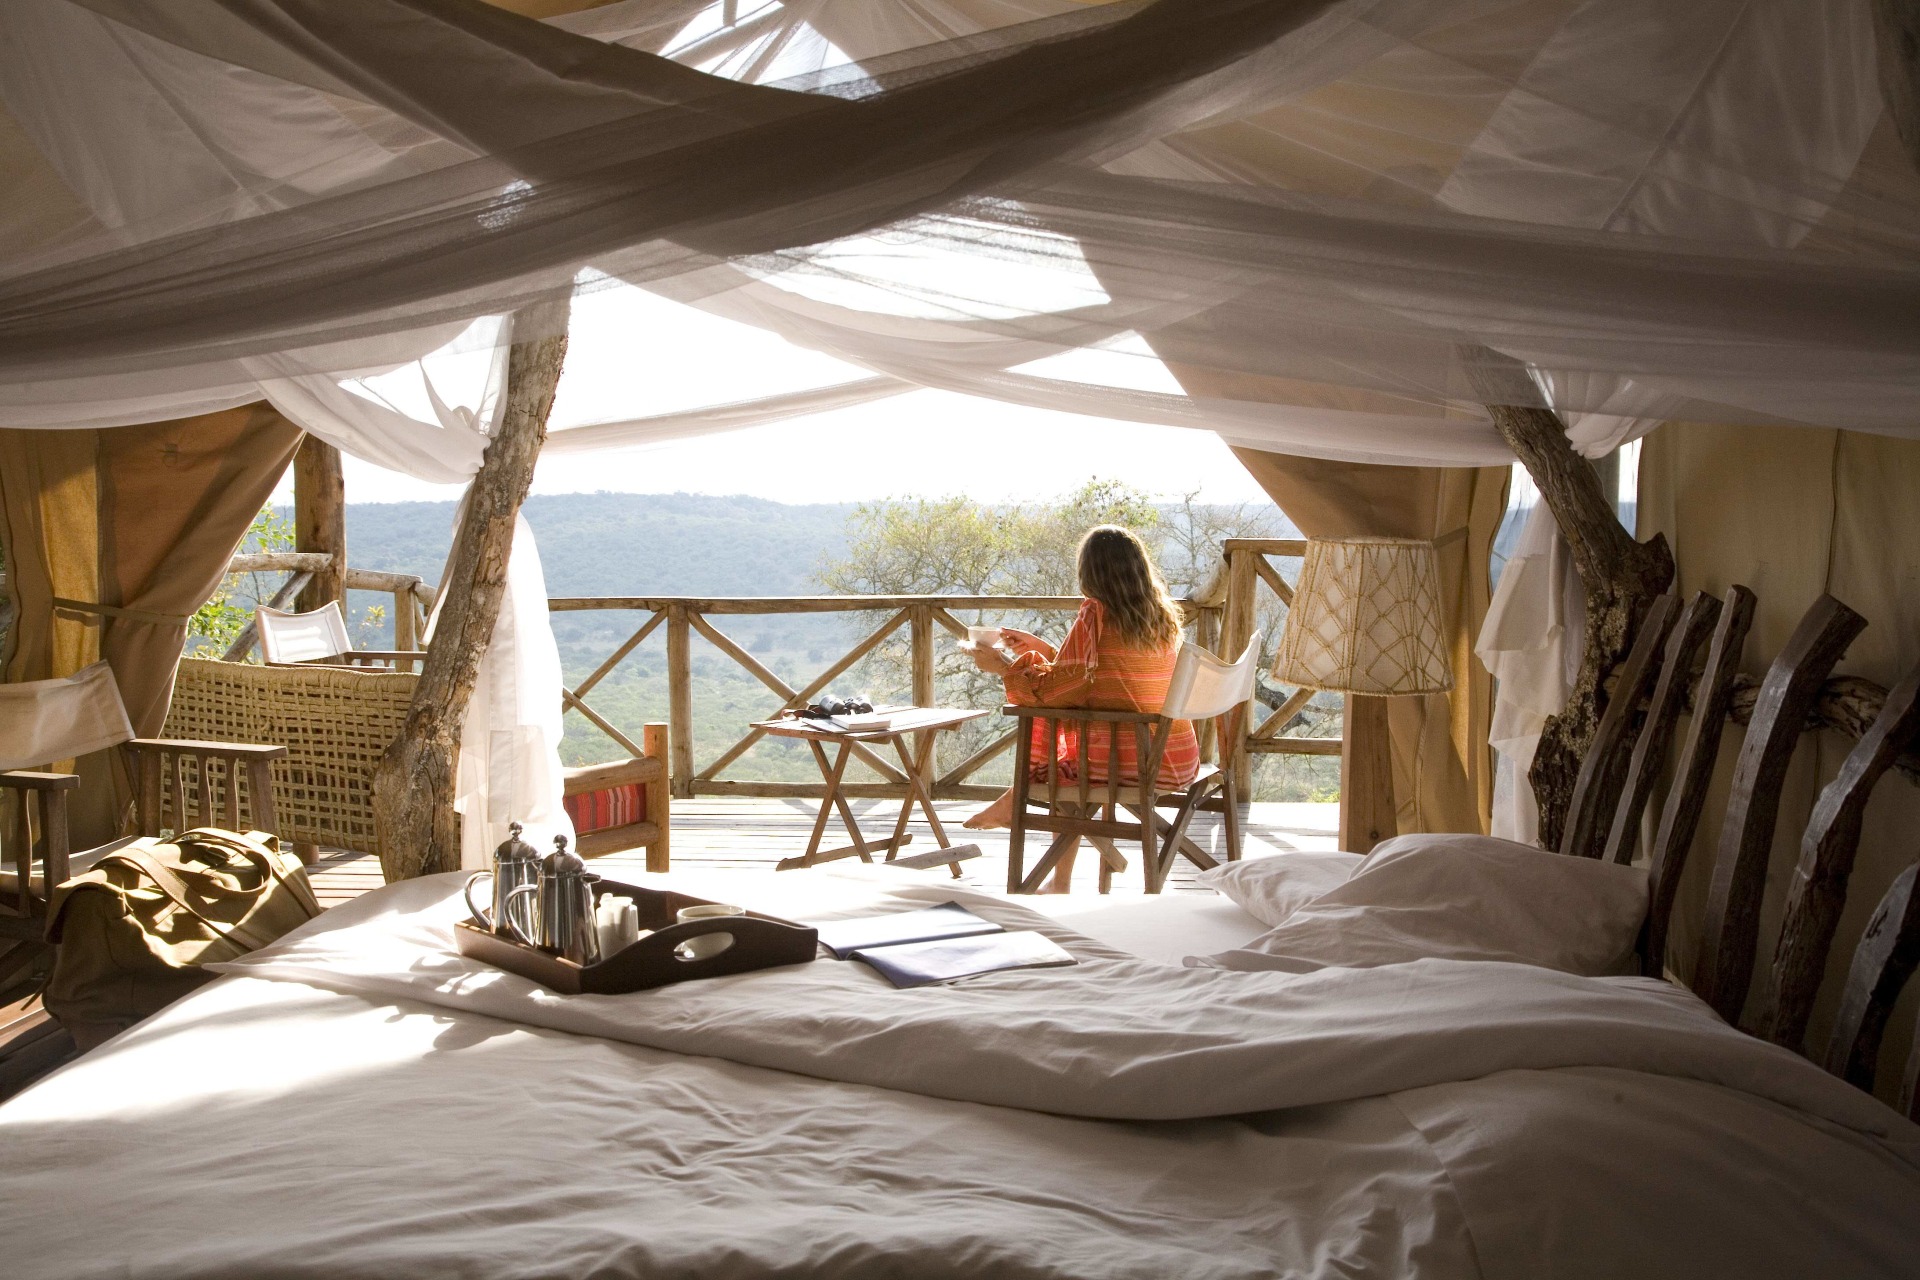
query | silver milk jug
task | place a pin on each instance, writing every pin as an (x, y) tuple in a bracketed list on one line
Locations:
[(516, 864), (563, 907)]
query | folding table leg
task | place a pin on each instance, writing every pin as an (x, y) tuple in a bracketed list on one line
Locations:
[(840, 802), (1111, 860), (831, 773), (918, 767), (832, 800)]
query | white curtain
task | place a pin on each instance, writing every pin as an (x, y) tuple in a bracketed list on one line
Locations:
[(1531, 643)]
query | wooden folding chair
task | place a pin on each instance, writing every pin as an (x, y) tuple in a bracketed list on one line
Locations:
[(1203, 687), (177, 785)]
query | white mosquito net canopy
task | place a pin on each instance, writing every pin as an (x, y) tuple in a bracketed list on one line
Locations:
[(1317, 213), (1314, 227)]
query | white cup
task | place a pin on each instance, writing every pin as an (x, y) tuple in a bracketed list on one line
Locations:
[(706, 945), (983, 637)]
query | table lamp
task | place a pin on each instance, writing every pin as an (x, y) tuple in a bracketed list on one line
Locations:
[(1366, 621)]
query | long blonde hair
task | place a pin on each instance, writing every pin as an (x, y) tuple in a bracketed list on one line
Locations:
[(1116, 570)]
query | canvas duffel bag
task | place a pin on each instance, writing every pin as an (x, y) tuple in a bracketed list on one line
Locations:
[(134, 929)]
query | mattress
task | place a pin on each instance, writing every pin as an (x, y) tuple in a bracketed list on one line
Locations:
[(359, 1101)]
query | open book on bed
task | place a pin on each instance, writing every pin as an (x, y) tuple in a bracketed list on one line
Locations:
[(937, 944)]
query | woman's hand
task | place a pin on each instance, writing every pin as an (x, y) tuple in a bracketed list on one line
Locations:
[(989, 660), (1025, 642)]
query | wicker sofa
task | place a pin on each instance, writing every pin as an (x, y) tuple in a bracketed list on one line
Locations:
[(336, 722)]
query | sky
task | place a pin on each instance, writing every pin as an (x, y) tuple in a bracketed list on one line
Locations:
[(632, 354), (926, 442)]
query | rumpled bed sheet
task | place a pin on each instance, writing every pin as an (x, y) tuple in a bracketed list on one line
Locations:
[(363, 1102)]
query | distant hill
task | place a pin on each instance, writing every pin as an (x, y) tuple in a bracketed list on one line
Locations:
[(627, 543)]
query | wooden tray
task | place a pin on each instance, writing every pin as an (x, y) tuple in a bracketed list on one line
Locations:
[(759, 942)]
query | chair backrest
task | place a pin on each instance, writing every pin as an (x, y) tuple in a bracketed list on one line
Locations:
[(42, 721), (302, 637), (1204, 686), (336, 722)]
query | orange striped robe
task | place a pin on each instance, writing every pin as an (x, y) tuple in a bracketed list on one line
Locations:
[(1095, 668)]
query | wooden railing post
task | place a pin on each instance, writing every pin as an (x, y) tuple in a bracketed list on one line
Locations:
[(404, 634), (920, 642), (680, 700), (657, 740), (1242, 581), (320, 520)]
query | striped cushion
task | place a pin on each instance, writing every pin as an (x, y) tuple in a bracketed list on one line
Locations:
[(607, 808)]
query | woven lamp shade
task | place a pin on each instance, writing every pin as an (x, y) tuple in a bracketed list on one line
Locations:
[(1366, 619)]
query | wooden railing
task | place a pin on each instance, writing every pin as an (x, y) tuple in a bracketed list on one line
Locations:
[(1222, 613), (1247, 575), (1222, 617)]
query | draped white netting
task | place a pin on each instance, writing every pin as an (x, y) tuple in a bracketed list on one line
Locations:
[(1312, 212), (1693, 213)]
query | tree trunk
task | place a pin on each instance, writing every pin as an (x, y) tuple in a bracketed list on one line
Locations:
[(1619, 575), (413, 787)]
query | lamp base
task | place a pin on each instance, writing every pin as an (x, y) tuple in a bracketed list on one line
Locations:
[(1367, 809)]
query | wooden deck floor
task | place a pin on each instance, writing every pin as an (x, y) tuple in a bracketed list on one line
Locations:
[(753, 834)]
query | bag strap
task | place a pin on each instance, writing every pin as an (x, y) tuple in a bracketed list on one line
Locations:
[(163, 876), (261, 855)]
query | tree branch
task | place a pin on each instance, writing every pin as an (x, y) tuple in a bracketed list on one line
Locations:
[(1619, 575)]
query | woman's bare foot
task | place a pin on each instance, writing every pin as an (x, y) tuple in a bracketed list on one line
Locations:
[(997, 814)]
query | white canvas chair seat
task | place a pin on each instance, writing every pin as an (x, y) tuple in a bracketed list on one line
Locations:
[(317, 636), (1202, 687)]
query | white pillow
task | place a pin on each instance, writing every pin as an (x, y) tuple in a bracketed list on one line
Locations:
[(1272, 888), (1460, 897)]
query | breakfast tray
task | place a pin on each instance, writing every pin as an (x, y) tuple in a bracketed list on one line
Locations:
[(759, 942)]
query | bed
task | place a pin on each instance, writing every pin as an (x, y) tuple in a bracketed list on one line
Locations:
[(358, 1100)]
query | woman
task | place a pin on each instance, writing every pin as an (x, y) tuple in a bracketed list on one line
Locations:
[(1118, 656)]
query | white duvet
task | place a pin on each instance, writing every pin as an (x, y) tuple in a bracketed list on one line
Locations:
[(364, 1102)]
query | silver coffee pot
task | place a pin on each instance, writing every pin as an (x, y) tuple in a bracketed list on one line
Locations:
[(563, 907), (516, 865)]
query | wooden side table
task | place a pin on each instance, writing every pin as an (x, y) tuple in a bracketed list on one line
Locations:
[(924, 725)]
